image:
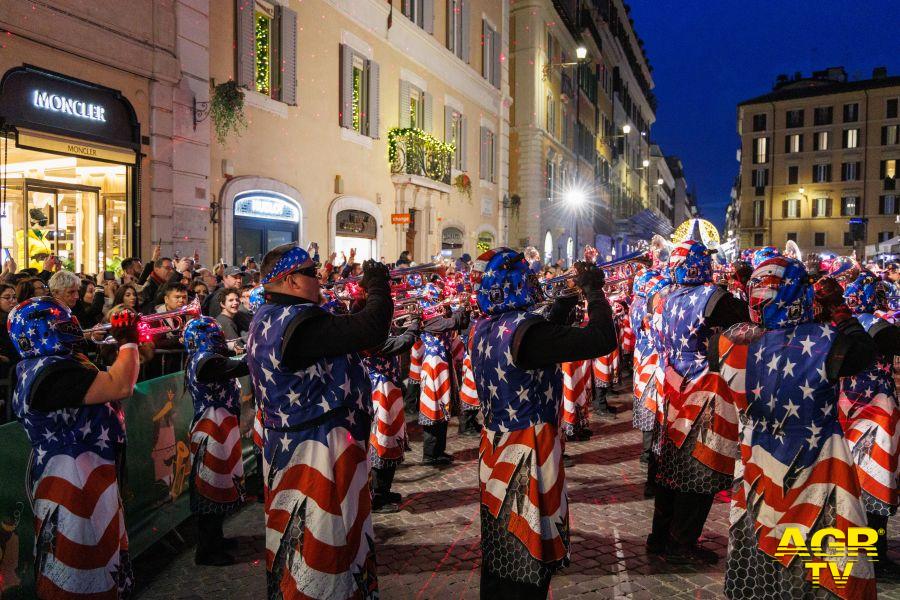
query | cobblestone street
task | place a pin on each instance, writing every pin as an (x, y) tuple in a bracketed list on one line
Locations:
[(431, 548)]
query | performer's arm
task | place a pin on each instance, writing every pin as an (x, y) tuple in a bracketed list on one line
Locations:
[(887, 339), (540, 343), (457, 321), (853, 350), (724, 310), (216, 369), (562, 311), (309, 338), (398, 344)]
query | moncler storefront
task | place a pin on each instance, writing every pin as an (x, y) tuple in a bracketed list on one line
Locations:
[(69, 175)]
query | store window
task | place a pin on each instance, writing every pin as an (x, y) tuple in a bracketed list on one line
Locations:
[(484, 242), (356, 229), (262, 221), (452, 242)]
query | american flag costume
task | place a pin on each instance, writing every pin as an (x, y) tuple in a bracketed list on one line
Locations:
[(217, 467), (319, 537), (795, 468), (81, 545), (525, 523), (415, 361), (645, 360), (388, 439), (870, 418), (576, 395), (606, 369), (438, 378)]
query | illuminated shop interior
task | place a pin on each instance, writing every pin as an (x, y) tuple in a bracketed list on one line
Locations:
[(70, 206)]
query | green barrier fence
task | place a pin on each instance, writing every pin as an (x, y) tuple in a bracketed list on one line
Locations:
[(154, 486)]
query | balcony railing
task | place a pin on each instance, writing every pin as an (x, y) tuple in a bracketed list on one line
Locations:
[(412, 151)]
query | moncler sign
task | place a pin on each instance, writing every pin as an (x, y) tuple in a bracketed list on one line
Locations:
[(70, 106)]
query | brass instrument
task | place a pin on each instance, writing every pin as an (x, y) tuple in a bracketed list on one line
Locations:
[(394, 273), (150, 326), (619, 273)]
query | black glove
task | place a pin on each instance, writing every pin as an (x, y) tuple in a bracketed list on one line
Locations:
[(124, 327), (413, 326), (374, 272), (589, 277)]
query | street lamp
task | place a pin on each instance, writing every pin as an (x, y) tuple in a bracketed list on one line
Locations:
[(626, 128), (581, 52), (660, 181), (645, 163), (575, 198)]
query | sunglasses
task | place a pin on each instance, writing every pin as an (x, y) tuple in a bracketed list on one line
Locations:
[(310, 271)]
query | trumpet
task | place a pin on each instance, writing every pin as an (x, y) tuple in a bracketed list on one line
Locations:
[(150, 326), (617, 271), (395, 273)]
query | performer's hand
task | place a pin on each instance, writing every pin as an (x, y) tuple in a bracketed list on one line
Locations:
[(828, 296), (373, 272), (124, 327), (589, 277)]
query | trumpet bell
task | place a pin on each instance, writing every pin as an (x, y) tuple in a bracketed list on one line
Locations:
[(150, 326)]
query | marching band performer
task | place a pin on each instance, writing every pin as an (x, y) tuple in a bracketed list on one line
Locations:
[(795, 467), (688, 414), (515, 357), (317, 413), (217, 467), (76, 426), (645, 359), (869, 412)]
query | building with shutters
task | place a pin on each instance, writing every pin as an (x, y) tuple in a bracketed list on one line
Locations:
[(371, 125), (99, 156), (580, 130), (817, 153)]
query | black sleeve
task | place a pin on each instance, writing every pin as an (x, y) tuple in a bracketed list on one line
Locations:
[(398, 344), (853, 351), (148, 268), (315, 334), (455, 322), (541, 343), (215, 369), (562, 311), (724, 310), (63, 385), (887, 339)]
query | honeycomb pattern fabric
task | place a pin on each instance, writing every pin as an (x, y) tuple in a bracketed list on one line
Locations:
[(505, 555), (678, 470), (752, 574), (878, 507)]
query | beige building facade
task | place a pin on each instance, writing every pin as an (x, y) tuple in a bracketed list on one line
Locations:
[(348, 105), (819, 158), (99, 156)]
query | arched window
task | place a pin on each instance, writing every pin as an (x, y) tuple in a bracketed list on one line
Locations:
[(452, 242), (263, 220), (484, 242), (356, 229)]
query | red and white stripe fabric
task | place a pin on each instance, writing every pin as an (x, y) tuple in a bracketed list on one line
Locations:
[(78, 515), (576, 392), (434, 399), (388, 437), (606, 369), (216, 443), (872, 429), (467, 392), (323, 496), (415, 361), (540, 517), (626, 334), (258, 429)]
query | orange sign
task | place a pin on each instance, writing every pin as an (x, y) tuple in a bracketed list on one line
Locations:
[(400, 219)]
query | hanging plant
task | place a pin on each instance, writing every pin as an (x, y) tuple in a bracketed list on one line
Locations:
[(226, 107), (463, 184)]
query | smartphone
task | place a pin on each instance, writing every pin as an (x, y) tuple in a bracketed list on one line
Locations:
[(108, 276), (6, 254)]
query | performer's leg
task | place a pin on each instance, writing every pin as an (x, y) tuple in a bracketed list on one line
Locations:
[(382, 499), (209, 542), (429, 441), (441, 434), (601, 406), (646, 444), (494, 587), (434, 442), (691, 511), (663, 511), (468, 423)]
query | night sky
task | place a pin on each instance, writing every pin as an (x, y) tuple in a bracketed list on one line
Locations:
[(708, 55)]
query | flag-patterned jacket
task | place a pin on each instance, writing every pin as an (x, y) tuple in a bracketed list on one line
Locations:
[(81, 546)]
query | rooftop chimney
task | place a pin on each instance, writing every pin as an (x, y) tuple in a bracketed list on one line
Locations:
[(781, 80), (879, 72)]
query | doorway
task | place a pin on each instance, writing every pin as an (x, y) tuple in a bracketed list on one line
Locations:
[(255, 237)]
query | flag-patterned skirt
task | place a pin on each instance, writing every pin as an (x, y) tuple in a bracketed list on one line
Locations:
[(81, 544), (435, 395), (523, 494), (872, 430), (217, 468), (468, 395), (388, 438), (576, 395), (606, 369), (416, 354), (319, 537), (644, 385)]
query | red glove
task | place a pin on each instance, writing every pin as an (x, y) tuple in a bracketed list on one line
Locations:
[(124, 327)]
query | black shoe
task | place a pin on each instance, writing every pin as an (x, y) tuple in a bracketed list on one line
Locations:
[(649, 489), (568, 461), (448, 457), (393, 497), (606, 413), (437, 461), (213, 559), (383, 506), (695, 554), (583, 435), (471, 433), (229, 543), (654, 547)]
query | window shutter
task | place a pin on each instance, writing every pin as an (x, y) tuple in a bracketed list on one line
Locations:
[(881, 205), (801, 142), (815, 141), (374, 108), (495, 47), (451, 21), (882, 169), (884, 131), (465, 23), (486, 57), (287, 29), (787, 144), (345, 113), (784, 209), (828, 204), (483, 167), (448, 124), (428, 15), (828, 172), (244, 43), (404, 104), (463, 138), (428, 113)]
